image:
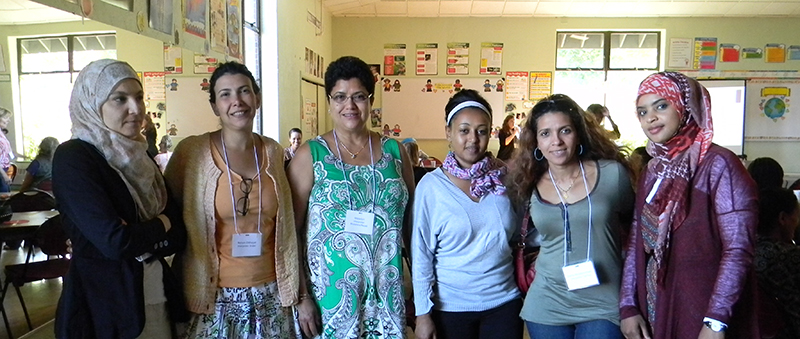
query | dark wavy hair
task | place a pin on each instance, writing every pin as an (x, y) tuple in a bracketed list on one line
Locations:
[(772, 201), (463, 96), (346, 68), (232, 68), (525, 171), (504, 127), (767, 173)]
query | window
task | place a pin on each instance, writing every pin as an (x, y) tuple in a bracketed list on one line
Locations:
[(606, 68), (252, 45), (48, 66)]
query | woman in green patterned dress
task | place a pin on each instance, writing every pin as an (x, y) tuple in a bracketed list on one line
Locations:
[(351, 188)]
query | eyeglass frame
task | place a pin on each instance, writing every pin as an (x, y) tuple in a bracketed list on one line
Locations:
[(248, 187), (350, 97)]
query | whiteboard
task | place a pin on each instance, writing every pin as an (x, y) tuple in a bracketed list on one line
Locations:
[(188, 108), (727, 112), (418, 113)]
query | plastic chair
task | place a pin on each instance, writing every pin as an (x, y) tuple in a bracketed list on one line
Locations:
[(52, 240)]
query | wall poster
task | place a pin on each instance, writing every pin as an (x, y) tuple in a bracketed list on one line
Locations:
[(394, 59), (705, 53), (729, 53), (161, 16), (541, 85), (491, 58), (218, 26), (680, 53), (173, 59), (516, 86), (194, 17), (775, 53), (458, 58), (769, 110), (234, 28), (427, 59)]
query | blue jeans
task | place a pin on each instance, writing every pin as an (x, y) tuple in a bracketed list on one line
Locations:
[(595, 329)]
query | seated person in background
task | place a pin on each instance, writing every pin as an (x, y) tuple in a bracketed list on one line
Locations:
[(413, 152), (40, 171), (638, 161), (295, 139), (767, 173), (600, 112), (777, 260), (164, 152)]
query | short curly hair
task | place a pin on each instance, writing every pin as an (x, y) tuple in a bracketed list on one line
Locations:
[(346, 68)]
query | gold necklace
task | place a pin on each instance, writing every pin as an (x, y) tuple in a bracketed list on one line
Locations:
[(354, 155), (565, 191)]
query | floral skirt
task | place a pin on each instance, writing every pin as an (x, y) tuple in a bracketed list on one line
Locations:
[(245, 312)]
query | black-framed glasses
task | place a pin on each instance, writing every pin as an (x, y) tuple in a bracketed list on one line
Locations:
[(243, 203)]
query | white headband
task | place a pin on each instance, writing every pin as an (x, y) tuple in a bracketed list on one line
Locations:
[(464, 105)]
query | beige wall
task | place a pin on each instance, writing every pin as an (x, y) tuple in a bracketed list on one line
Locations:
[(530, 44)]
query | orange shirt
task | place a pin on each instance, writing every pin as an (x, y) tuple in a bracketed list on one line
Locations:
[(244, 271)]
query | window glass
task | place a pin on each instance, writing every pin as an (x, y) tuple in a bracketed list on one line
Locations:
[(92, 47), (44, 103), (44, 55), (580, 50), (634, 50)]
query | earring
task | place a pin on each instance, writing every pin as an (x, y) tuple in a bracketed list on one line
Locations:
[(538, 158), (581, 149)]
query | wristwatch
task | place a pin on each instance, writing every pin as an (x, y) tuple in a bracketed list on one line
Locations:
[(714, 325)]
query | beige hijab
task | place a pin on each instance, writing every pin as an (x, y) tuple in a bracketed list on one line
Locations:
[(127, 156)]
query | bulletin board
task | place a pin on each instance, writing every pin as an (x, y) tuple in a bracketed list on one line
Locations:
[(414, 107), (188, 108), (771, 112)]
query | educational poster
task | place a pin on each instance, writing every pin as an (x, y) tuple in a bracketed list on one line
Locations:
[(491, 58), (541, 85), (309, 119), (173, 59), (458, 58), (419, 114), (194, 17), (234, 28), (680, 53), (793, 53), (188, 112), (313, 63), (769, 112), (427, 59), (204, 64), (155, 98), (394, 59), (705, 53), (218, 26), (752, 53), (729, 53), (516, 86), (161, 16), (775, 53)]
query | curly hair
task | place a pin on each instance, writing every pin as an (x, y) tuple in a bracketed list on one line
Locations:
[(346, 68), (525, 171)]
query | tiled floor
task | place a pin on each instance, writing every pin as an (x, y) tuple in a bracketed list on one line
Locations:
[(40, 298)]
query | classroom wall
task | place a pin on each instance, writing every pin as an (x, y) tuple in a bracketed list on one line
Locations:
[(530, 44)]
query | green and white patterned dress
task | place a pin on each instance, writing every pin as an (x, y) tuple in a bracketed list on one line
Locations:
[(357, 279)]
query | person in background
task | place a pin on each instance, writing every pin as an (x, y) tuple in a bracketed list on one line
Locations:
[(352, 191), (295, 139), (574, 182), (118, 214), (638, 160), (600, 113), (777, 261), (462, 215), (39, 173), (6, 155), (412, 148), (164, 152), (766, 172), (688, 270), (150, 134), (507, 137), (240, 268)]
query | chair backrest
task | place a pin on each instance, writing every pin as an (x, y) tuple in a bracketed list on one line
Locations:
[(51, 238), (12, 171), (34, 200)]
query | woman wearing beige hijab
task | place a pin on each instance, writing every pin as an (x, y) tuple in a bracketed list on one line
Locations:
[(117, 213)]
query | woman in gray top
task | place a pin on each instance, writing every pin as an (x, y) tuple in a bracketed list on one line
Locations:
[(40, 171), (576, 186)]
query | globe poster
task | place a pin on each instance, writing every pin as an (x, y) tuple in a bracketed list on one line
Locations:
[(770, 113)]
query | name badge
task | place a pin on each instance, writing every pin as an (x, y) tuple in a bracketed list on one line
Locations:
[(247, 245), (359, 222), (580, 275)]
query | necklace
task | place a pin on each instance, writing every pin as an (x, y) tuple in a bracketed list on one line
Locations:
[(354, 155), (566, 190)]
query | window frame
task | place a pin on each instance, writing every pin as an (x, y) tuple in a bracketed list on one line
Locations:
[(70, 50), (256, 28), (607, 51)]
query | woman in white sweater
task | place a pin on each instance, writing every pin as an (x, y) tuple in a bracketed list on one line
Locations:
[(463, 223)]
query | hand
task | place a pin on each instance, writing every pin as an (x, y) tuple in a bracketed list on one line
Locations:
[(634, 328), (707, 333), (425, 328), (308, 316)]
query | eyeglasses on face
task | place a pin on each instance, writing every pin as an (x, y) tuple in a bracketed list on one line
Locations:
[(243, 203), (358, 98)]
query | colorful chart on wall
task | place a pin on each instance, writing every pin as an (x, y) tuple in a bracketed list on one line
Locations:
[(234, 28), (491, 58), (414, 107), (457, 58), (770, 112), (427, 59), (705, 53), (394, 59), (194, 17), (218, 26)]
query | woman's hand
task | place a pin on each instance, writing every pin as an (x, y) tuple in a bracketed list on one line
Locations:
[(425, 328), (634, 328), (308, 316)]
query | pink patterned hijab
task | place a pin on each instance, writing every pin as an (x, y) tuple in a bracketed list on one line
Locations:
[(127, 156), (676, 161)]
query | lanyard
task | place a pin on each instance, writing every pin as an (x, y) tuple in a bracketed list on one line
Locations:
[(567, 231), (347, 178), (233, 198)]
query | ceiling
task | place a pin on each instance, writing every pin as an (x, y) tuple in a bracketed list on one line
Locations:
[(28, 12), (562, 8)]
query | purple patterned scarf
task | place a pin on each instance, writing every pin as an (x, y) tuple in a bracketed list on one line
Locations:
[(484, 175)]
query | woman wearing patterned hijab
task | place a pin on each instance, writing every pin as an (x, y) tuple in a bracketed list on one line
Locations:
[(115, 210), (688, 269)]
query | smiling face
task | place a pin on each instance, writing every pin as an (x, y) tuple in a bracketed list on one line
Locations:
[(123, 110), (659, 118), (236, 102), (295, 139), (350, 114), (468, 134), (557, 138)]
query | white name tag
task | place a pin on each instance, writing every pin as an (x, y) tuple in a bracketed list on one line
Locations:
[(359, 222), (580, 275), (247, 245)]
